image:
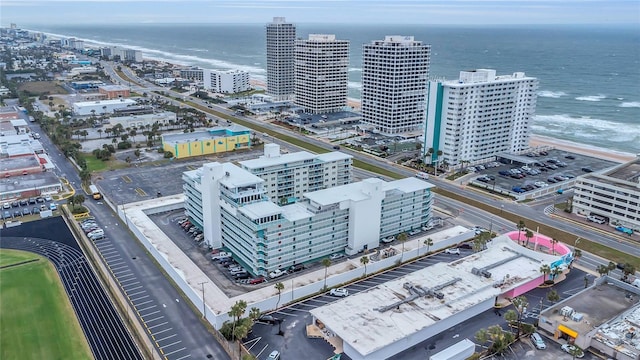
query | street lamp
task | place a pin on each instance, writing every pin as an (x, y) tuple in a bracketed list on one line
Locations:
[(204, 312), (501, 208)]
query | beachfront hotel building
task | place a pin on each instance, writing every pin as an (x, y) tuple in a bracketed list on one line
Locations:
[(281, 37), (235, 213), (287, 177), (479, 116), (321, 73), (394, 84), (613, 194), (210, 141), (226, 81)]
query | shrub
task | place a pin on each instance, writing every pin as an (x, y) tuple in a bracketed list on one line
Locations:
[(168, 154), (124, 145)]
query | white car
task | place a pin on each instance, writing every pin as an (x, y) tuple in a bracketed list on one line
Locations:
[(388, 239), (339, 292), (540, 184), (275, 355), (276, 273), (414, 232), (336, 256), (454, 251), (220, 255), (572, 349)]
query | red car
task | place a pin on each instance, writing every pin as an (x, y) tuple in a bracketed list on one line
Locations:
[(258, 280)]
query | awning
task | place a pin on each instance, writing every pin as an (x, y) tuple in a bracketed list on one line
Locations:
[(566, 330)]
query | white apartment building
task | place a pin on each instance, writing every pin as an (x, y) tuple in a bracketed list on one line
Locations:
[(226, 81), (321, 73), (613, 194), (193, 74), (479, 116), (394, 84), (231, 205), (287, 177), (281, 37)]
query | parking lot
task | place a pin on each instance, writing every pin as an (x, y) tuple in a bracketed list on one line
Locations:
[(537, 174), (32, 206)]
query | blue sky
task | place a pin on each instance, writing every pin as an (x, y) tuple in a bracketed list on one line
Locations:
[(33, 12)]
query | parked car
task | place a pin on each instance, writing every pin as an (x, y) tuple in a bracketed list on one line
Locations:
[(504, 173), (242, 275), (296, 268), (388, 239), (14, 204), (552, 180), (465, 246), (336, 256), (454, 251), (6, 215), (518, 189), (26, 211), (48, 198), (414, 232), (17, 213), (570, 157), (624, 230), (258, 280), (221, 255), (275, 355), (269, 319), (339, 292), (537, 341), (587, 169), (276, 273), (573, 350)]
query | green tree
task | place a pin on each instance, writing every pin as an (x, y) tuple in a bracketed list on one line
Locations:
[(236, 311), (555, 272), (545, 270), (364, 261), (603, 270), (71, 202), (521, 226), (79, 199), (240, 332), (85, 175), (482, 336), (627, 270), (428, 243), (402, 238), (528, 234), (279, 287), (520, 304), (553, 296), (326, 262), (554, 241), (254, 313)]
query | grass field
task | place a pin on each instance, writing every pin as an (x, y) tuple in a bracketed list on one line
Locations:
[(36, 317), (42, 87)]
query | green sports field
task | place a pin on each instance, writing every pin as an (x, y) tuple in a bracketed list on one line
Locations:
[(36, 317)]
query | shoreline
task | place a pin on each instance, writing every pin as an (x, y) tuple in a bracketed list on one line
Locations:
[(535, 140)]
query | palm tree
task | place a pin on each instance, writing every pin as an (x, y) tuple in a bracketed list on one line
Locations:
[(554, 241), (364, 261), (435, 168), (577, 253), (520, 225), (100, 133), (545, 270), (528, 234), (240, 332), (627, 270), (482, 336), (236, 311), (519, 303), (428, 243), (603, 270), (70, 201), (555, 272), (402, 237), (279, 286), (326, 262)]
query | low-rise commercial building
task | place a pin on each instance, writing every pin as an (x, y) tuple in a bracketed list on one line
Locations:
[(288, 176), (141, 121), (211, 141), (605, 317), (612, 194), (114, 91), (231, 206), (387, 319), (87, 84), (85, 108)]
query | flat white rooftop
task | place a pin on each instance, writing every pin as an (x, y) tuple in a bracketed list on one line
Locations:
[(105, 102), (357, 319), (263, 162)]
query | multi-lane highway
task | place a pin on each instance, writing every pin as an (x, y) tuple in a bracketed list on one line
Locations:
[(508, 206)]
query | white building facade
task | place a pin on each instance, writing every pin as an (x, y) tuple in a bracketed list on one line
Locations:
[(613, 194), (287, 177), (281, 37), (321, 73), (479, 116), (86, 108), (226, 81), (394, 84), (231, 205), (141, 121)]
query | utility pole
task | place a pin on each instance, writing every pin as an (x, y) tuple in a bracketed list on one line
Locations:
[(204, 313)]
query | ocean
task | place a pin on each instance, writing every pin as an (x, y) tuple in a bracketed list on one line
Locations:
[(589, 76)]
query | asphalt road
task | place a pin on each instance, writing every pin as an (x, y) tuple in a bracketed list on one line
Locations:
[(106, 334), (173, 326), (522, 210)]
